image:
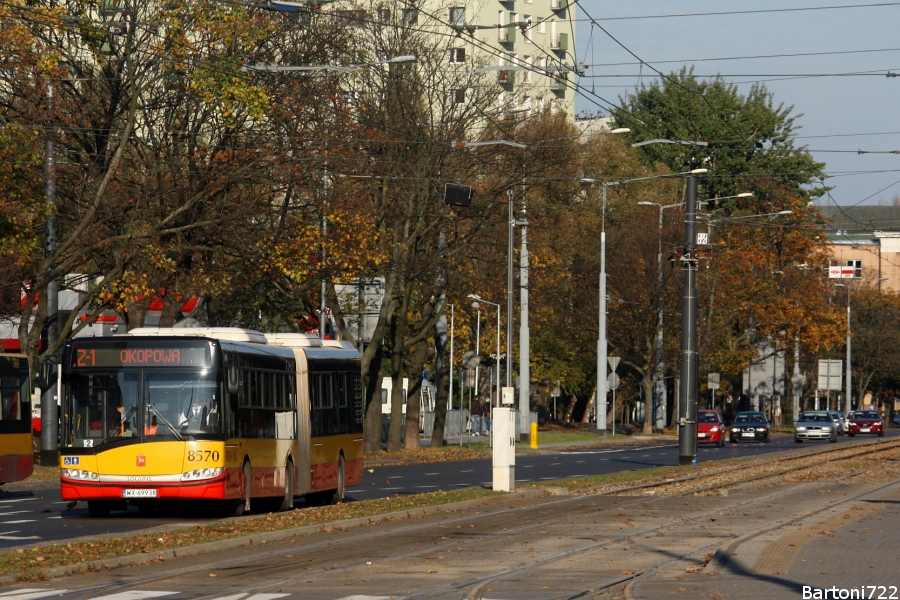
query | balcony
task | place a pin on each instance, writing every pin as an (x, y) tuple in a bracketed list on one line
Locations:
[(560, 42), (506, 77), (559, 84), (506, 34)]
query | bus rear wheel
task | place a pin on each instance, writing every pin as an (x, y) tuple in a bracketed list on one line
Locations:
[(288, 502), (331, 496)]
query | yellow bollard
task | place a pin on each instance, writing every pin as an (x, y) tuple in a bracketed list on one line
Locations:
[(534, 445)]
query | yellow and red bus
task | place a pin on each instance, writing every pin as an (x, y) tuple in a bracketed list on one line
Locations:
[(172, 415), (16, 449)]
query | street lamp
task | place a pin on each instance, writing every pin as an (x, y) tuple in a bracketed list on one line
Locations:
[(659, 406), (847, 383), (659, 414), (480, 299), (477, 307), (601, 336), (340, 68)]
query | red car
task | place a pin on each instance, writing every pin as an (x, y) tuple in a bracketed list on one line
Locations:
[(865, 421), (710, 427)]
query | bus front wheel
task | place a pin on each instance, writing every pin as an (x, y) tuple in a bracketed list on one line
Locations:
[(98, 509), (243, 505)]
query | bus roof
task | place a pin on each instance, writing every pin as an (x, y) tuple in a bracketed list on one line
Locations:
[(232, 334)]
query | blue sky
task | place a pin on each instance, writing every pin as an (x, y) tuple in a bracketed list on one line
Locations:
[(842, 113)]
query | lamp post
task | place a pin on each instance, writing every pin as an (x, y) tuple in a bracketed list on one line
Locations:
[(602, 349), (480, 299), (477, 307), (849, 373), (659, 406)]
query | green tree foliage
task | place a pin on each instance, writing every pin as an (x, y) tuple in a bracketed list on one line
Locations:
[(748, 136)]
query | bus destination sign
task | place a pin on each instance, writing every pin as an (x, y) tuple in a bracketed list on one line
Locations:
[(184, 356)]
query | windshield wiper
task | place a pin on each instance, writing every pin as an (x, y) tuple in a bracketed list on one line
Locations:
[(165, 421)]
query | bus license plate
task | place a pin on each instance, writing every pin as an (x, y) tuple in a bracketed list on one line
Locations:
[(139, 493)]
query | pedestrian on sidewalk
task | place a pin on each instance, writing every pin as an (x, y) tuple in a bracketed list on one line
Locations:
[(475, 416)]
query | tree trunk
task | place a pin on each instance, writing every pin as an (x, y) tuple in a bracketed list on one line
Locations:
[(440, 408), (414, 398), (372, 386), (648, 403), (586, 417)]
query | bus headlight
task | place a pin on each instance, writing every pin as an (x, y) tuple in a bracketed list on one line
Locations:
[(201, 474), (80, 474)]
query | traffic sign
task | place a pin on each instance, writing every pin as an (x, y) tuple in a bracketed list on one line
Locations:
[(713, 381), (841, 272), (613, 362), (613, 381)]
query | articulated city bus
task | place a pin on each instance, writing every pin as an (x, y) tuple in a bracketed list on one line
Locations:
[(170, 415), (16, 450)]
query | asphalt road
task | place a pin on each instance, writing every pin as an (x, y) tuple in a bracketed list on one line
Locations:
[(39, 515)]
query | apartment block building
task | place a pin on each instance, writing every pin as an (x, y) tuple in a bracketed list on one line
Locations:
[(866, 238)]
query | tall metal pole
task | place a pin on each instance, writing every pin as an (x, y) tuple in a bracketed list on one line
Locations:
[(601, 329), (497, 379), (511, 232), (687, 409), (659, 406), (524, 340), (50, 396), (477, 346), (450, 398), (849, 388)]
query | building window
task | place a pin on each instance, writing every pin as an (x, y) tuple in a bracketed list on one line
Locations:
[(348, 18), (529, 64), (526, 33), (456, 55), (410, 16), (457, 15), (857, 267), (542, 26), (457, 96), (384, 16)]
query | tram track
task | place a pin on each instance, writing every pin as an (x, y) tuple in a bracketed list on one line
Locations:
[(531, 517)]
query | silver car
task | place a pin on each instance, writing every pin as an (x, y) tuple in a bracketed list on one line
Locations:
[(816, 425), (841, 420)]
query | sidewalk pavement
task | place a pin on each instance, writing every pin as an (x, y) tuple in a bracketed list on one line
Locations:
[(850, 551)]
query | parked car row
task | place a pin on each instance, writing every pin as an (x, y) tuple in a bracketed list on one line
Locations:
[(811, 425), (747, 426)]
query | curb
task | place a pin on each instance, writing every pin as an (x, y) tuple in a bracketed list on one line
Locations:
[(269, 536)]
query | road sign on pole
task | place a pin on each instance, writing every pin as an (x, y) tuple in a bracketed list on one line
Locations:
[(613, 362), (713, 381)]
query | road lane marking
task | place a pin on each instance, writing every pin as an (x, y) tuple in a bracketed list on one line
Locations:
[(427, 474), (135, 595), (17, 522), (8, 535), (31, 594)]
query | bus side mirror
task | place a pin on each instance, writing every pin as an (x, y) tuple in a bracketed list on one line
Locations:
[(232, 383)]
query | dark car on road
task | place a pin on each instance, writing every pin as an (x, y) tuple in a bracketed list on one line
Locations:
[(710, 427), (749, 426), (815, 425), (865, 421)]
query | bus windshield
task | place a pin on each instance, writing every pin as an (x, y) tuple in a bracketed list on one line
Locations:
[(152, 404)]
